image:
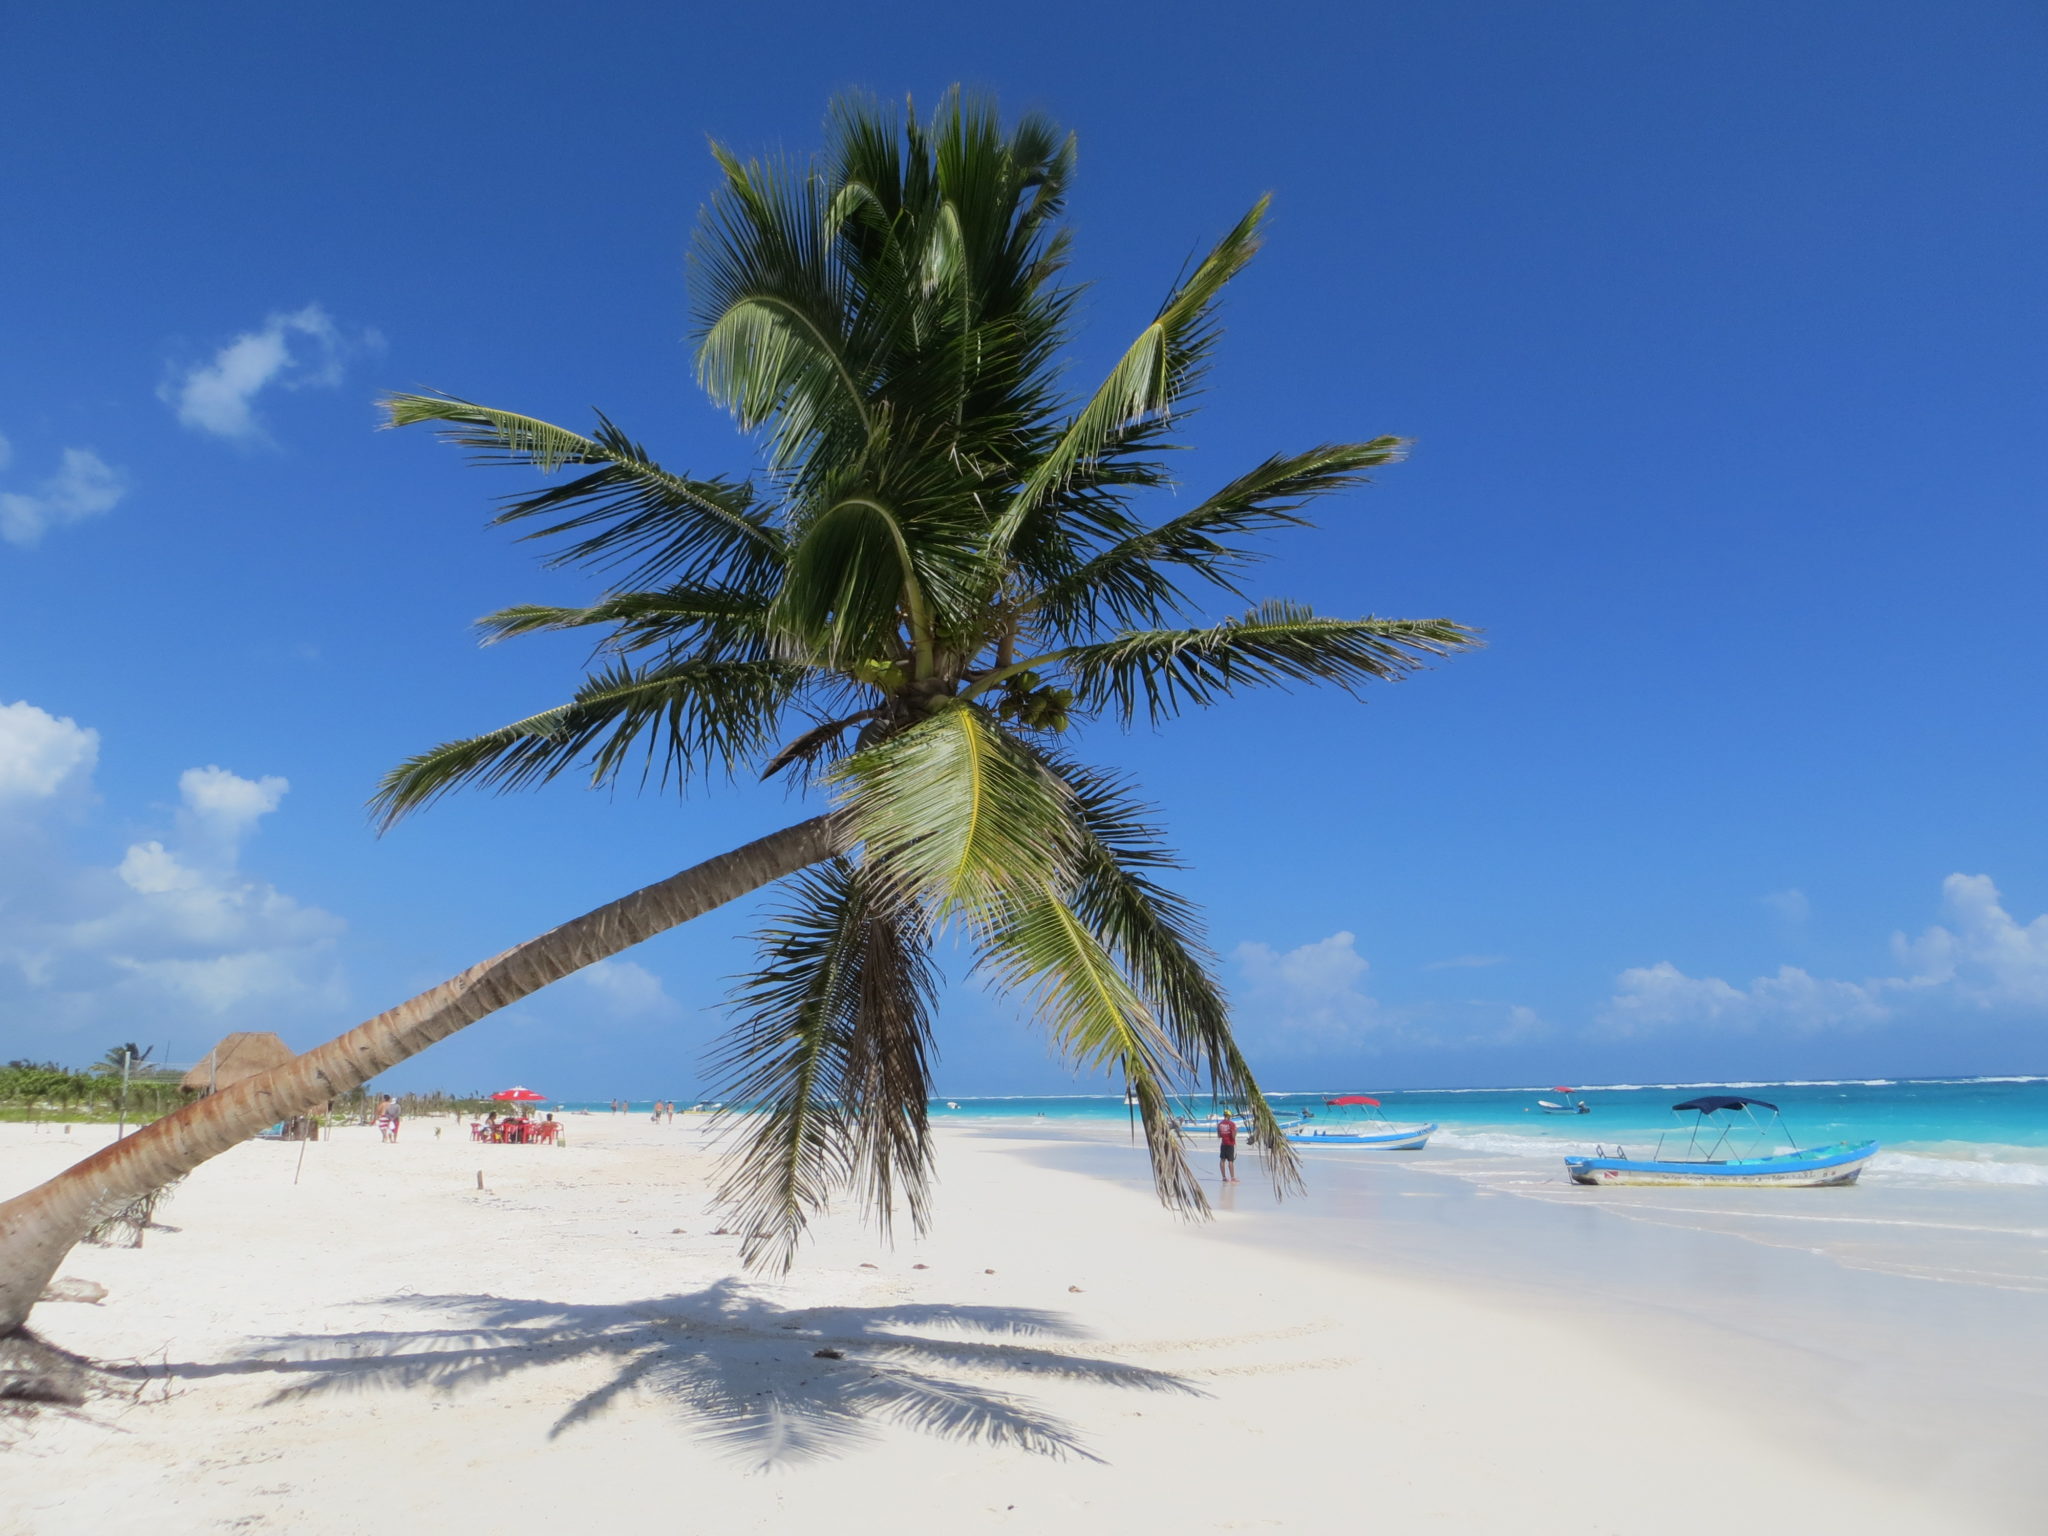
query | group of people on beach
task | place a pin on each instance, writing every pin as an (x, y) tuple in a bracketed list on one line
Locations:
[(664, 1111), (519, 1128)]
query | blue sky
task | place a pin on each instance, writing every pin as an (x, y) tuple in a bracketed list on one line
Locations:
[(1718, 328)]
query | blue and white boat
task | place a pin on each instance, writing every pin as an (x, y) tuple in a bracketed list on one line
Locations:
[(1803, 1168), (1372, 1131)]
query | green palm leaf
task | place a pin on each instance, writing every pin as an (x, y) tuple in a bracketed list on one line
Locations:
[(1038, 946), (629, 509), (1162, 672), (1154, 371), (705, 621), (773, 344), (829, 1065), (691, 719), (1133, 581), (1156, 936), (956, 814)]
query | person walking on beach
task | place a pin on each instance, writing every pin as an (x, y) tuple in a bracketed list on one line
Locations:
[(387, 1119), (1226, 1149)]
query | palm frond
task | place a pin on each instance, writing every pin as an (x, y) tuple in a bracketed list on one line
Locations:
[(1036, 945), (1164, 671), (773, 306), (1134, 581), (1156, 936), (829, 1067), (691, 719), (954, 813), (629, 510), (853, 586), (1153, 372), (818, 742), (709, 622)]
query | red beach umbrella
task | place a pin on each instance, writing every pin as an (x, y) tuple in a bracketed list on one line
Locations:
[(520, 1096)]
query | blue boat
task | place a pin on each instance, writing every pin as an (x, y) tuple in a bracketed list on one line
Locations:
[(1375, 1132), (1805, 1168)]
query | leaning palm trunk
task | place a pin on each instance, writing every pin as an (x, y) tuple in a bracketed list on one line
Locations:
[(39, 1228)]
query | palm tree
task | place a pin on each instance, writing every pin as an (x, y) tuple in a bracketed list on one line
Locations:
[(938, 572), (125, 1057)]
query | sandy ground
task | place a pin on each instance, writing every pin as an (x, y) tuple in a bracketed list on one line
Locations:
[(386, 1346)]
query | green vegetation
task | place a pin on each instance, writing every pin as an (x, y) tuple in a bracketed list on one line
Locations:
[(42, 1090)]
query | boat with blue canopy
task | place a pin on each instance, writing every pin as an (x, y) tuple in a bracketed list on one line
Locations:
[(1373, 1130), (1745, 1138)]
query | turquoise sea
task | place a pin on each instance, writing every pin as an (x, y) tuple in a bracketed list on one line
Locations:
[(1981, 1129)]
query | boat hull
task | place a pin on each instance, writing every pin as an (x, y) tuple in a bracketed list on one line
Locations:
[(1814, 1168), (1407, 1138)]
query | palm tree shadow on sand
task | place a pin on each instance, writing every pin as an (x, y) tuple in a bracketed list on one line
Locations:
[(747, 1371)]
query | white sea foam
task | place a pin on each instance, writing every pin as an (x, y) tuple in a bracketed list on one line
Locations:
[(1786, 1082), (1951, 1081), (1979, 1165), (1506, 1144)]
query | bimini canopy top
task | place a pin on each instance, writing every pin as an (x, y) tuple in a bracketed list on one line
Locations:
[(1352, 1098), (1714, 1101)]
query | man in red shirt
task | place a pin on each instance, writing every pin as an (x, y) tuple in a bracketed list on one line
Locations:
[(1226, 1149)]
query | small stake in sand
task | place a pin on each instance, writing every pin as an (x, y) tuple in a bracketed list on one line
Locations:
[(479, 1178)]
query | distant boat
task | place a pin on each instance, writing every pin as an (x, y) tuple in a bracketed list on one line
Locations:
[(1372, 1130), (1571, 1104), (1837, 1163)]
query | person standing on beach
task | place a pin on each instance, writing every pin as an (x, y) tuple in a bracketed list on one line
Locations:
[(387, 1119), (1226, 1149)]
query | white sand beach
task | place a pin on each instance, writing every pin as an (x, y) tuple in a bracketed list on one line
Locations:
[(383, 1345)]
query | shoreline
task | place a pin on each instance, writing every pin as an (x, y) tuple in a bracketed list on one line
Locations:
[(1933, 1365), (550, 1344)]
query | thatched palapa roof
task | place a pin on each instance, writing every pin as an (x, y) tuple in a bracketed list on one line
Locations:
[(237, 1056)]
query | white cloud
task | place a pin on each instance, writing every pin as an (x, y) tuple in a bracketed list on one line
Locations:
[(1466, 963), (1987, 958), (1313, 999), (40, 752), (304, 349), (1309, 997), (1983, 959), (225, 807), (628, 990), (84, 486), (1651, 999), (174, 933), (1789, 907)]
